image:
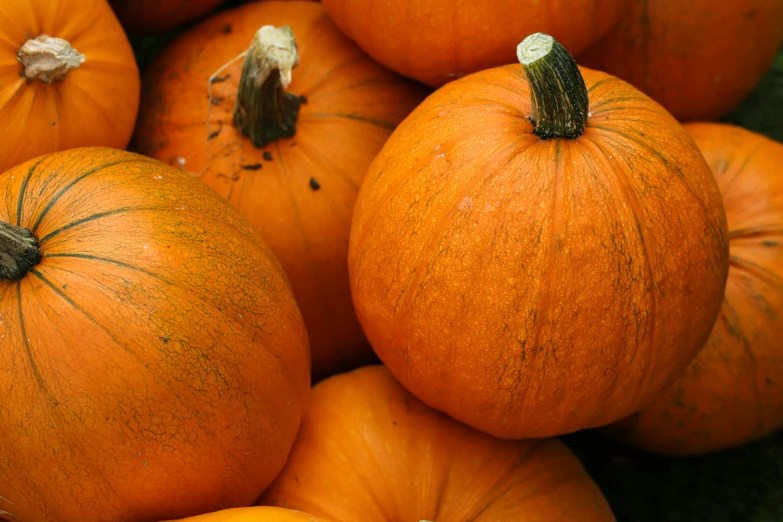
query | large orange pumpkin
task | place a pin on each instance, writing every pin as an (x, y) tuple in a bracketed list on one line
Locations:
[(153, 362), (157, 16), (370, 451), (296, 178), (436, 41), (255, 514), (538, 267), (698, 58), (68, 78), (732, 392)]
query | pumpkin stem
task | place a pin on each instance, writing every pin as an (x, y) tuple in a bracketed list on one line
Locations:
[(558, 91), (48, 59), (19, 251), (265, 112)]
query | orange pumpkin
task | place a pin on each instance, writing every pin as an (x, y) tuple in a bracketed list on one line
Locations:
[(158, 16), (255, 514), (68, 78), (436, 41), (698, 58), (537, 267), (153, 362), (297, 177), (368, 450), (732, 392)]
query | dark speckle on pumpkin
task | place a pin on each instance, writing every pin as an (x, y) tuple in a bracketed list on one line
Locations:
[(267, 155), (253, 166), (314, 184), (227, 29)]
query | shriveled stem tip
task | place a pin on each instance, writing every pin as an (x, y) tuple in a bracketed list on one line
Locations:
[(48, 59), (559, 98), (265, 111)]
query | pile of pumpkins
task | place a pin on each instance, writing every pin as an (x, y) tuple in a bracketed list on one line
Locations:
[(365, 261)]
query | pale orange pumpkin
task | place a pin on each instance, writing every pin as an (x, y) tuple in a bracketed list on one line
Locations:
[(370, 451), (290, 157), (68, 78)]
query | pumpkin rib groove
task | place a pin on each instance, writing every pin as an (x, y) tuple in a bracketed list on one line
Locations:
[(762, 273), (91, 218), (636, 210), (601, 83), (23, 191), (352, 117), (25, 341), (56, 197), (332, 168), (751, 355), (286, 177), (756, 232)]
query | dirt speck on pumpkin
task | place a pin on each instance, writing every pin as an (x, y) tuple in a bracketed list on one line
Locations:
[(314, 184), (267, 155)]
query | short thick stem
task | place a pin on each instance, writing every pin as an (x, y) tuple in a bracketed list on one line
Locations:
[(558, 91), (48, 59), (265, 112), (19, 251)]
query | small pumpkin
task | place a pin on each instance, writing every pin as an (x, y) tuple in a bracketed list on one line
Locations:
[(68, 78), (538, 249), (153, 362), (148, 17), (436, 41), (254, 514), (732, 392), (369, 450), (698, 58), (287, 140)]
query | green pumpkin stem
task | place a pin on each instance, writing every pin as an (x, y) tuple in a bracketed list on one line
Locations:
[(19, 251), (265, 112), (558, 91)]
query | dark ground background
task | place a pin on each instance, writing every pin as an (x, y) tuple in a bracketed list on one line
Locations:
[(741, 485)]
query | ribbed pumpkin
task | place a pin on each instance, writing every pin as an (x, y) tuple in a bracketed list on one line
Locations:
[(158, 16), (153, 362), (732, 392), (68, 78), (290, 159), (436, 41), (370, 451), (698, 58), (535, 256), (255, 514)]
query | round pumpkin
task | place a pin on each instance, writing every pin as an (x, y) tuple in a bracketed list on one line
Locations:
[(255, 514), (369, 450), (290, 158), (436, 41), (147, 17), (68, 78), (153, 362), (539, 249), (732, 392), (698, 58)]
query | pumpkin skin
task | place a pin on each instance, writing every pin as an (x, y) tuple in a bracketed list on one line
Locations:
[(255, 514), (731, 393), (368, 450), (352, 106), (93, 105), (140, 17), (530, 287), (698, 58), (436, 41), (154, 364)]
